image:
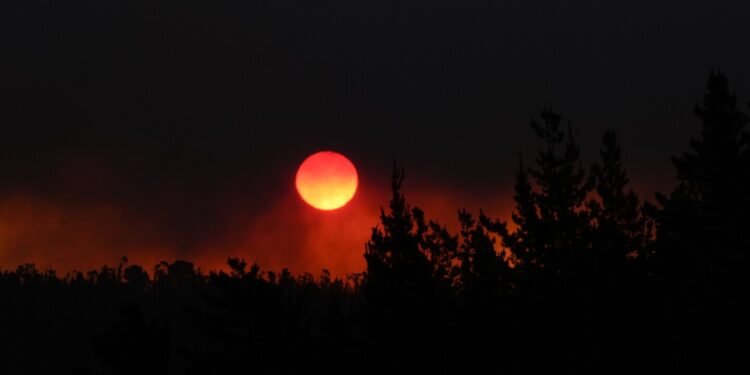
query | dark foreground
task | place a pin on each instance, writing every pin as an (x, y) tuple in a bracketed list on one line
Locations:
[(116, 321)]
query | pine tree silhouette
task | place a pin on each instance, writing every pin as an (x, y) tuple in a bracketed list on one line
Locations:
[(485, 274), (551, 240), (401, 291), (702, 224), (441, 249), (621, 232), (398, 268)]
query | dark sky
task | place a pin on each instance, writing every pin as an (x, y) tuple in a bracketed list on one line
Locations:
[(167, 129)]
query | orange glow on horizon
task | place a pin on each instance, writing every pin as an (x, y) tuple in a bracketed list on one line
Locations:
[(276, 232), (327, 180)]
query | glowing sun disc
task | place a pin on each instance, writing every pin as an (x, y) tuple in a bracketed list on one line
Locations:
[(327, 180)]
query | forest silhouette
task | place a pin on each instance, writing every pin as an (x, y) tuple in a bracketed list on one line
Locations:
[(587, 278)]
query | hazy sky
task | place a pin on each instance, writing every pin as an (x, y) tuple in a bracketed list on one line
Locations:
[(173, 129)]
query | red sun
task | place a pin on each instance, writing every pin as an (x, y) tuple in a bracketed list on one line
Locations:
[(327, 180)]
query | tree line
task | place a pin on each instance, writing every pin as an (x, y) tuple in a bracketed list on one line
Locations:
[(586, 277)]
